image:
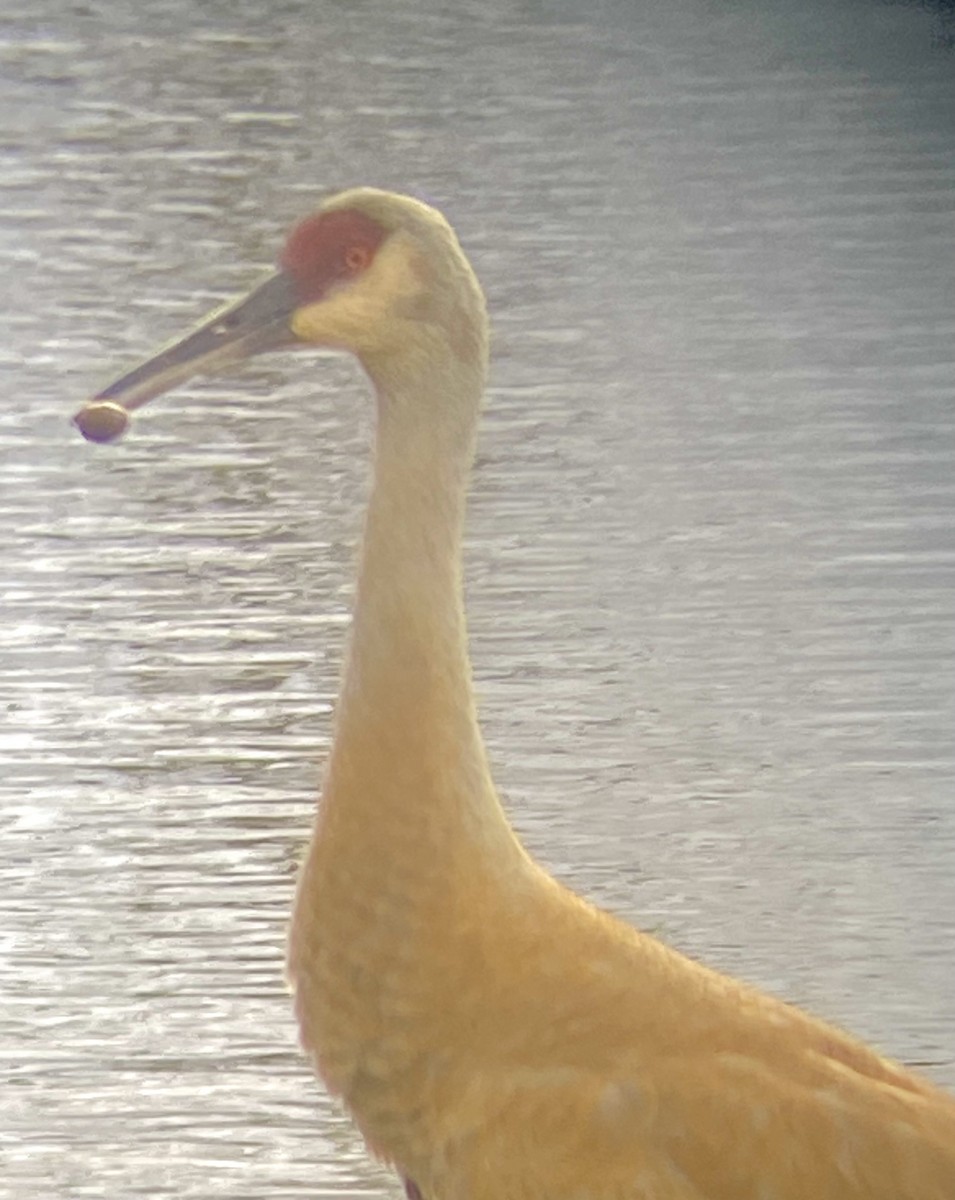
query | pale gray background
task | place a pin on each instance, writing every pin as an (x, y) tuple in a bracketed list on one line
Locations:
[(711, 550)]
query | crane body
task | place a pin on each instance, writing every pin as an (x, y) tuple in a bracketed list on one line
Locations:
[(495, 1036)]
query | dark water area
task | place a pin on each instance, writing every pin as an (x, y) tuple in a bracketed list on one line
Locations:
[(711, 545)]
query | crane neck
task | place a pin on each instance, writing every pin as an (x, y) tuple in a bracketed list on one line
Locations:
[(407, 740)]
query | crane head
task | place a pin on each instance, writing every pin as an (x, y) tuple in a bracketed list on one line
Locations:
[(372, 272)]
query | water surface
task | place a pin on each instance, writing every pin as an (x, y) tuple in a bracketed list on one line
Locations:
[(710, 550)]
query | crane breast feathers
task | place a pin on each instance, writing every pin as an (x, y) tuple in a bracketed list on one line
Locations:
[(716, 1128)]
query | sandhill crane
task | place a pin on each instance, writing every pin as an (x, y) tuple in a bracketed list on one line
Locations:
[(495, 1036)]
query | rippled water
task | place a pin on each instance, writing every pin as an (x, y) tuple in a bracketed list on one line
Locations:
[(711, 548)]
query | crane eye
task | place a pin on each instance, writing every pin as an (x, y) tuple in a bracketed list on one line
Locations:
[(357, 257)]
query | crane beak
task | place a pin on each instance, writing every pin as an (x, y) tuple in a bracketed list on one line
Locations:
[(256, 323)]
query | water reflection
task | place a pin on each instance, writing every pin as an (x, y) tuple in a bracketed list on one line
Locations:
[(710, 558)]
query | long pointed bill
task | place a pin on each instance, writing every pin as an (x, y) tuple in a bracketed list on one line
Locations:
[(258, 322)]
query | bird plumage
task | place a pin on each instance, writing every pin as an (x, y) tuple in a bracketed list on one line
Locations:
[(495, 1036)]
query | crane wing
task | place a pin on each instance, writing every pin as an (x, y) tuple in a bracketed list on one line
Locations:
[(727, 1127)]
